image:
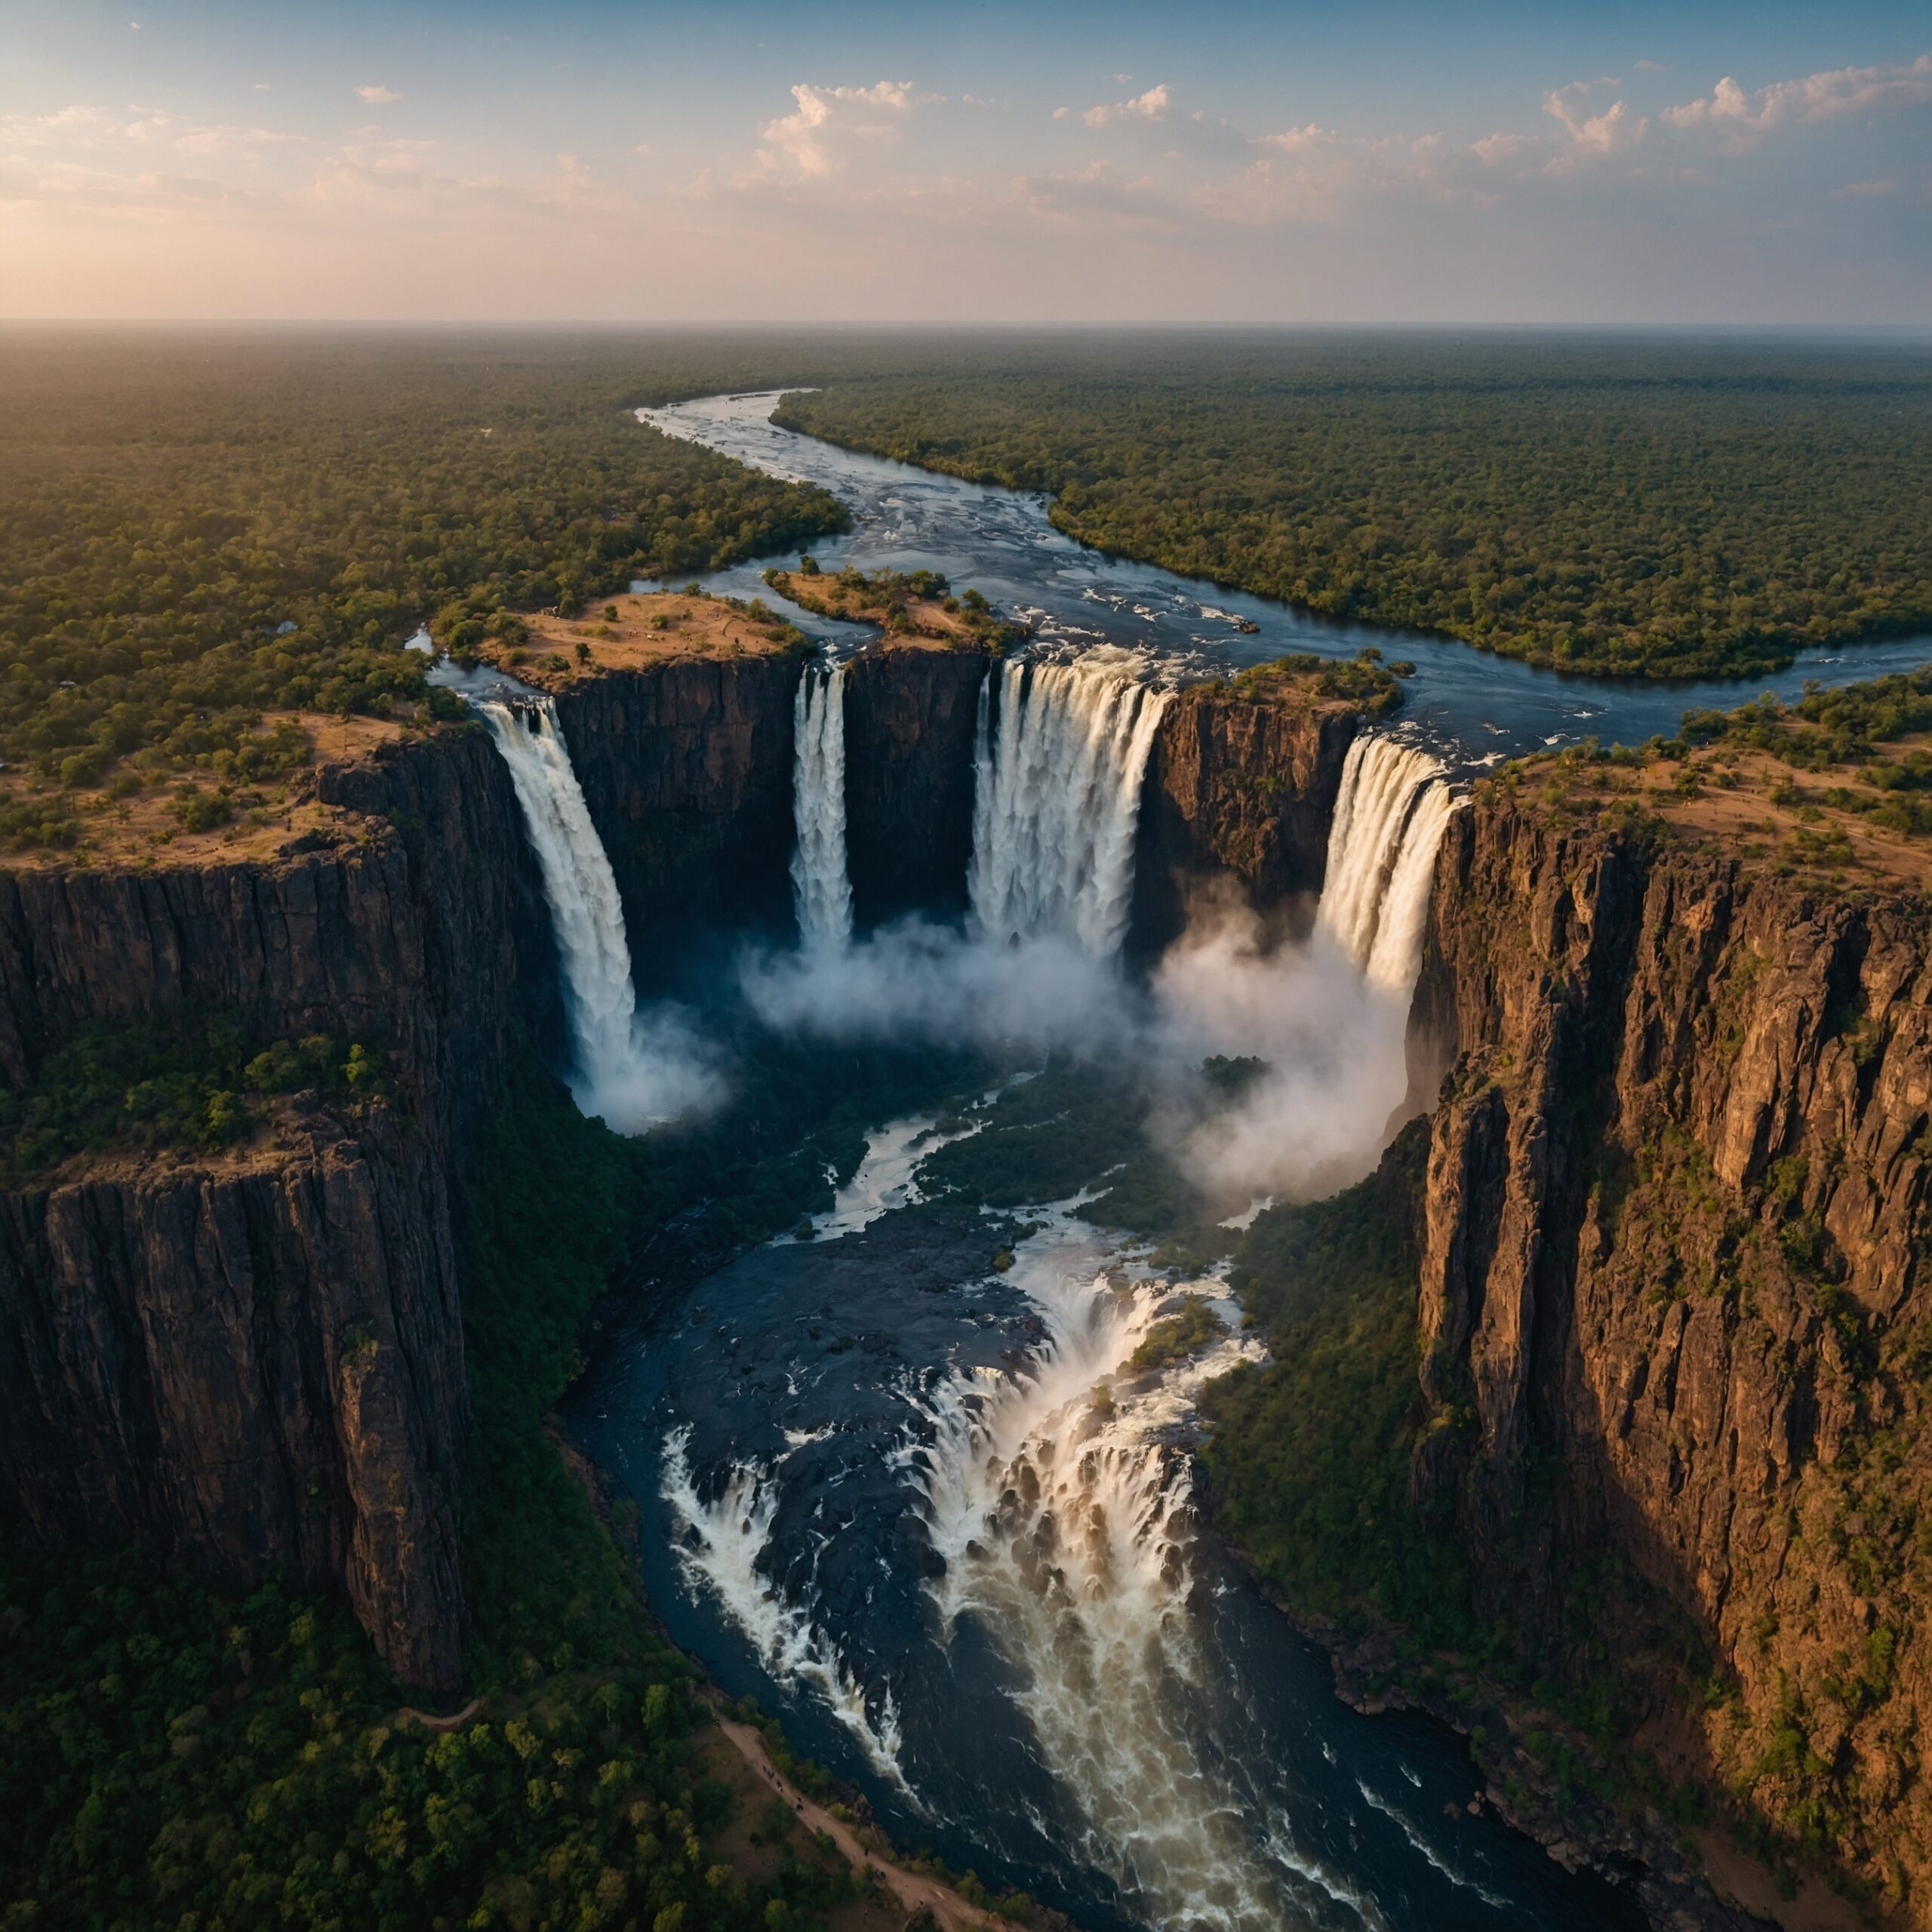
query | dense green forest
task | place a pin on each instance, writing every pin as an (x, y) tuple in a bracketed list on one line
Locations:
[(172, 1755), (193, 529), (1658, 507)]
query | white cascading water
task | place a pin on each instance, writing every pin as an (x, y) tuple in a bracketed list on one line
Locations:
[(1389, 817), (821, 886), (1057, 797), (614, 1079), (1065, 1516)]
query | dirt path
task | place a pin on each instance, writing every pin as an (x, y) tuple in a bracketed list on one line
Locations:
[(912, 1891), (409, 1714)]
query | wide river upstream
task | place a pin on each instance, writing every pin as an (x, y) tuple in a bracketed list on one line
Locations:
[(1470, 704), (898, 1480)]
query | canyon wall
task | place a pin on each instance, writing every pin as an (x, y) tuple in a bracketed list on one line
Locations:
[(686, 767), (1237, 789), (1676, 1336), (911, 713), (410, 926), (254, 1360)]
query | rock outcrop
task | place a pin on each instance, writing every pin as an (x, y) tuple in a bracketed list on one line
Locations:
[(911, 713), (257, 1360), (1677, 1331), (416, 927), (1240, 789), (251, 1365), (686, 767)]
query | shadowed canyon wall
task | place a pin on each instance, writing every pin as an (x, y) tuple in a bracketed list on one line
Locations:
[(911, 713), (255, 1359), (1673, 1300), (1240, 790)]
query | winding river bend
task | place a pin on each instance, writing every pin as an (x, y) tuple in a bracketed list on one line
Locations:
[(1471, 706)]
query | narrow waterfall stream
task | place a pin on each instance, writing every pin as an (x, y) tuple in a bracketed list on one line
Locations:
[(821, 885), (634, 1074)]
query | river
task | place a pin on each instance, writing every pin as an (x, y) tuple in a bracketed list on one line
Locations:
[(1472, 705), (899, 1480)]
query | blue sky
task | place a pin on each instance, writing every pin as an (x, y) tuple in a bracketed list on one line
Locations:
[(589, 160)]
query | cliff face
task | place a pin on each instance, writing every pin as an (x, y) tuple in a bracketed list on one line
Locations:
[(1673, 1300), (258, 1360), (686, 766), (1240, 788), (410, 929), (911, 713), (252, 1364)]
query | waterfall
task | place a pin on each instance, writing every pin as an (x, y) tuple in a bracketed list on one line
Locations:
[(1389, 816), (1057, 797), (821, 886), (617, 1078)]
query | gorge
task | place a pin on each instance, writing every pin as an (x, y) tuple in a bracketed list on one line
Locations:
[(919, 1470)]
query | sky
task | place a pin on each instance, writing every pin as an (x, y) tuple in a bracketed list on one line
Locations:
[(1211, 161)]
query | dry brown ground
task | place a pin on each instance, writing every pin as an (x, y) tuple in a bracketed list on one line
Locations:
[(913, 1890), (1732, 809), (143, 829), (634, 637)]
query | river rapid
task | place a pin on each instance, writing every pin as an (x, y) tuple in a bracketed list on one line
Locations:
[(1473, 707)]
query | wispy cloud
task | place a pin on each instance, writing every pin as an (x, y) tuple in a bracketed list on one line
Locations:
[(1602, 133), (815, 140), (1827, 96), (377, 94), (1151, 105)]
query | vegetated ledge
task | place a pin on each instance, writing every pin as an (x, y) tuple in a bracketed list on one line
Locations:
[(635, 631), (906, 605), (1833, 792)]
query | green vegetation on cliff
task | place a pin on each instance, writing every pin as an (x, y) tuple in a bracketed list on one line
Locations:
[(192, 530), (1657, 508), (1310, 1451), (170, 1754), (195, 1087)]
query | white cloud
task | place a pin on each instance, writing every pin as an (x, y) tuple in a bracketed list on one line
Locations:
[(377, 94), (1865, 191), (1494, 150), (810, 143), (1821, 97), (1596, 134), (1151, 105), (1650, 67)]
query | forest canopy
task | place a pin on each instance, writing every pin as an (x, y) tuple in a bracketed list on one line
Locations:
[(194, 528), (1652, 507)]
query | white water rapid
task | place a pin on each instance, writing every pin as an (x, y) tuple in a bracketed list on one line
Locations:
[(635, 1076), (1389, 817), (821, 887), (1064, 1511), (1061, 753)]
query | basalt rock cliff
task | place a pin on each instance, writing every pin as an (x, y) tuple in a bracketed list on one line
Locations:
[(256, 1360), (911, 715), (686, 767), (1238, 790), (1677, 1330)]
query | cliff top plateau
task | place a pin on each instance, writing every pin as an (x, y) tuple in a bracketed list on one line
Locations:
[(1831, 792)]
